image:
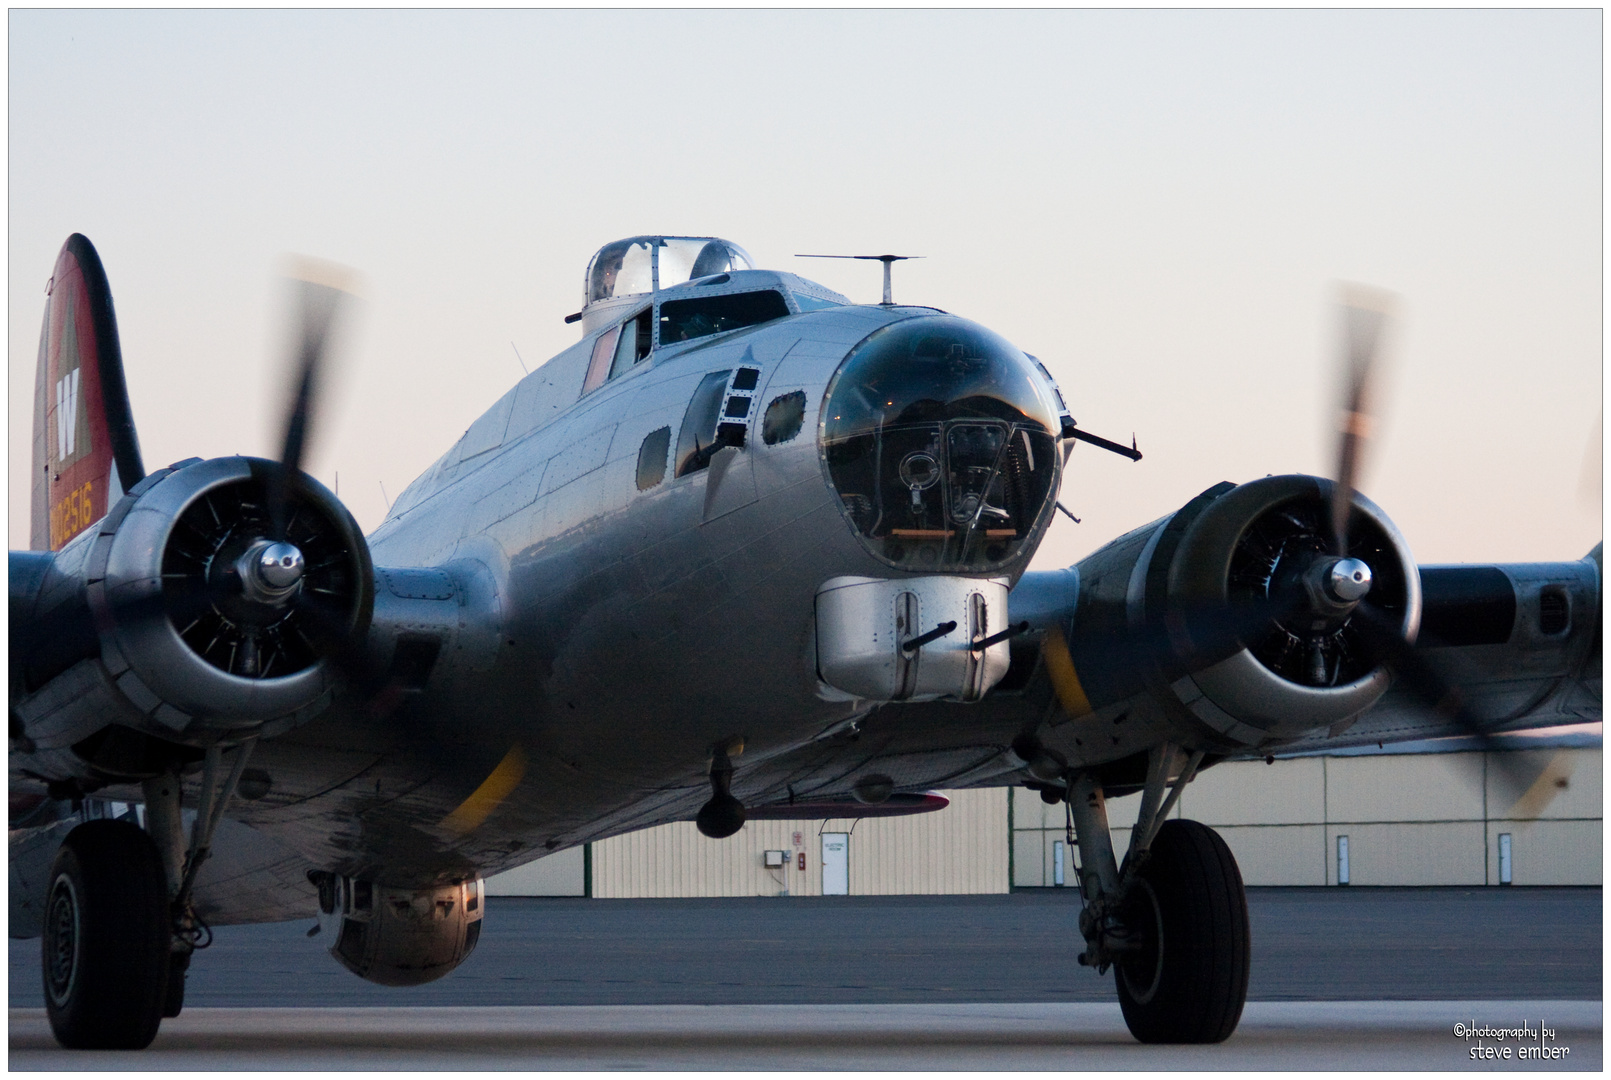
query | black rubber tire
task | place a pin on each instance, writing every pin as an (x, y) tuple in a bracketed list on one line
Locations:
[(173, 1000), (105, 945), (1188, 983)]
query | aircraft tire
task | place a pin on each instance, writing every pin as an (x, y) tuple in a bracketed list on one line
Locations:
[(1188, 981), (173, 999), (106, 938)]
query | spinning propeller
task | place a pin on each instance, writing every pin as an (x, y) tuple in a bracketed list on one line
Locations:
[(257, 581), (1338, 583)]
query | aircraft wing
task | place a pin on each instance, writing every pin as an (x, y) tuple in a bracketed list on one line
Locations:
[(1514, 646)]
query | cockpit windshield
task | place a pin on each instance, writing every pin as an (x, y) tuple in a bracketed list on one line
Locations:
[(641, 264)]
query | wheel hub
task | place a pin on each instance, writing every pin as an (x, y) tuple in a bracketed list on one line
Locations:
[(62, 931), (1141, 965)]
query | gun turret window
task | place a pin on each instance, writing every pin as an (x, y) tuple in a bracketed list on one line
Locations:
[(641, 264)]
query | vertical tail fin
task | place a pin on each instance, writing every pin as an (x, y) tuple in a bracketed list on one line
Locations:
[(86, 453)]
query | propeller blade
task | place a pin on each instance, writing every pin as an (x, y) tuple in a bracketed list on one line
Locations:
[(321, 290), (1365, 313), (1413, 673)]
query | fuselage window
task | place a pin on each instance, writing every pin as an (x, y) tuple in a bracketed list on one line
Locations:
[(652, 458), (783, 418), (699, 424), (635, 342), (685, 320)]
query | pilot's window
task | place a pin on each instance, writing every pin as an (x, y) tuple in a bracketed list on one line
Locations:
[(636, 341), (598, 368), (699, 424), (684, 320), (783, 418), (652, 458)]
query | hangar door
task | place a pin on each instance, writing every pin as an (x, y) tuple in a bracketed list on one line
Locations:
[(835, 864)]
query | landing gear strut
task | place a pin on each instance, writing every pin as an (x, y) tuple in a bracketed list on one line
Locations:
[(1172, 921)]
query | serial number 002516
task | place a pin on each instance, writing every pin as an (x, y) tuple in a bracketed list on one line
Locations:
[(71, 515)]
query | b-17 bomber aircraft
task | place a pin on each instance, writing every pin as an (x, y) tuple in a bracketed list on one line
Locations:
[(746, 550)]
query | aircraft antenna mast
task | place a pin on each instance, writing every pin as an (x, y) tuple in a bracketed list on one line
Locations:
[(887, 260)]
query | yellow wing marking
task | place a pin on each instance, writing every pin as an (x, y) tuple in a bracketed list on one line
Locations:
[(493, 791), (1065, 680)]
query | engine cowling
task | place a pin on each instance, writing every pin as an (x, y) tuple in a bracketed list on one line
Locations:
[(396, 936), (1218, 612), (173, 647)]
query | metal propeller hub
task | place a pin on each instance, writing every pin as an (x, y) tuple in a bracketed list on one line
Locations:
[(1349, 580), (1334, 587), (270, 571)]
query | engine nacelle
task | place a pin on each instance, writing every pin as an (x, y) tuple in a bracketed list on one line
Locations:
[(156, 637), (399, 937), (1173, 610)]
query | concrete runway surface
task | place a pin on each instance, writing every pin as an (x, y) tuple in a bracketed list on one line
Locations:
[(1072, 1035), (1318, 944), (1341, 979)]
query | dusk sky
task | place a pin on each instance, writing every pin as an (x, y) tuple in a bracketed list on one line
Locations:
[(1158, 204)]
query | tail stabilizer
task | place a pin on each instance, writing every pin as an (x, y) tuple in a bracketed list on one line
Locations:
[(86, 452)]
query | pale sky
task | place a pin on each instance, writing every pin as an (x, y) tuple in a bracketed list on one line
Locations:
[(1155, 203)]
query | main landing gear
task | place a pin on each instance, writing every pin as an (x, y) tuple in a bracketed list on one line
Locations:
[(106, 939), (119, 928), (1172, 921)]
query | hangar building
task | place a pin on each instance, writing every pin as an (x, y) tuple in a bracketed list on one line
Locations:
[(1440, 812)]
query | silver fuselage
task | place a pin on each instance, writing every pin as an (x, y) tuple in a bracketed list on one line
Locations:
[(632, 630)]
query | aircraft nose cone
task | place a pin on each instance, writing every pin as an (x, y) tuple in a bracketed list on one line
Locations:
[(1349, 580)]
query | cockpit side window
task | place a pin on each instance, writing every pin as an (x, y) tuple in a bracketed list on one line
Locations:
[(685, 320), (637, 338), (598, 367), (618, 348)]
